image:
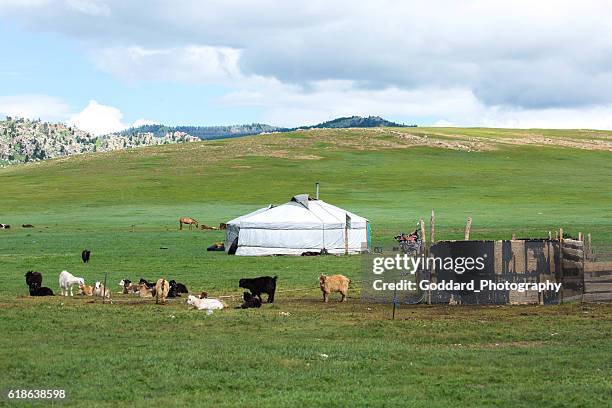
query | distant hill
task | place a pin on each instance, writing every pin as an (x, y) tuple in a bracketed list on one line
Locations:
[(356, 122), (25, 140), (225, 132), (204, 132)]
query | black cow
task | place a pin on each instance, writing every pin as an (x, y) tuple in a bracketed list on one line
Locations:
[(176, 289), (257, 286), (37, 290), (33, 278), (250, 301), (85, 255)]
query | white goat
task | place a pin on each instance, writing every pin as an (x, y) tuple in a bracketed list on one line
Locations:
[(67, 281)]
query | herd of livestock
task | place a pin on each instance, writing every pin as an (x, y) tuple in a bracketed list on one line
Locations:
[(163, 289)]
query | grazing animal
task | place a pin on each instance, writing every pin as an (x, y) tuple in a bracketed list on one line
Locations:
[(334, 283), (128, 287), (85, 255), (67, 281), (27, 226), (33, 277), (257, 286), (162, 287), (205, 304), (176, 289), (203, 295), (86, 290), (187, 221), (37, 290), (250, 301), (101, 291), (4, 226), (145, 291)]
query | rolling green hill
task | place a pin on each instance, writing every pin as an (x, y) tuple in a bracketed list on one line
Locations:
[(124, 206), (526, 182)]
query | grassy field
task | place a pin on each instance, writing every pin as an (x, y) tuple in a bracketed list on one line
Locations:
[(124, 206)]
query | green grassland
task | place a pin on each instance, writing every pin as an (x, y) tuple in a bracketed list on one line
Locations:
[(125, 206)]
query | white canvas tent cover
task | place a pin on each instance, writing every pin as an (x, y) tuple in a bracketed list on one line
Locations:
[(301, 225)]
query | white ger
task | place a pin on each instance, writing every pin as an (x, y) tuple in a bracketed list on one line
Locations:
[(304, 224)]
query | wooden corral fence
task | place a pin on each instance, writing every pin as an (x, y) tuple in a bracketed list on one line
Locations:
[(597, 282), (566, 261)]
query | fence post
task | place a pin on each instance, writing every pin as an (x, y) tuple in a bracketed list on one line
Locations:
[(105, 288), (561, 261), (468, 227), (423, 237), (432, 227), (590, 247)]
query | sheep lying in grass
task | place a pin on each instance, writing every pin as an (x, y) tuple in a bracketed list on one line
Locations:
[(145, 291), (128, 287), (101, 291), (205, 304)]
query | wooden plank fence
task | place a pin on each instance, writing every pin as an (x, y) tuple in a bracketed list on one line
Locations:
[(597, 282)]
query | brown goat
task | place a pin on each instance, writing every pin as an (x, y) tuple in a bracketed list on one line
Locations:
[(334, 283), (86, 290)]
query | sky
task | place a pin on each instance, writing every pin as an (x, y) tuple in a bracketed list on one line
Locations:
[(105, 65)]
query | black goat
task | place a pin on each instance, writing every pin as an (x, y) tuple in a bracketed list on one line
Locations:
[(150, 285), (257, 286), (85, 255), (250, 301), (37, 290), (176, 289), (33, 278)]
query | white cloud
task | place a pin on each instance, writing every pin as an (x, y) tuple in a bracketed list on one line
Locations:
[(189, 64), (143, 122), (293, 105), (502, 63), (89, 7), (547, 54), (101, 119), (98, 119), (34, 107)]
